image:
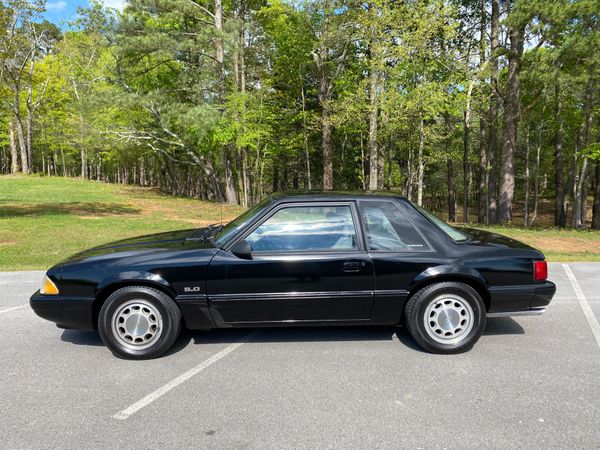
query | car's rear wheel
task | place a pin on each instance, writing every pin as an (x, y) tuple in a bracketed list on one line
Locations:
[(446, 317), (139, 322)]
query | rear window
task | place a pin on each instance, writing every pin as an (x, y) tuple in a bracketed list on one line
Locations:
[(452, 232)]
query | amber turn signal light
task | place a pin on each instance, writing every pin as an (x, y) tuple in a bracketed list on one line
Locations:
[(540, 270), (49, 288)]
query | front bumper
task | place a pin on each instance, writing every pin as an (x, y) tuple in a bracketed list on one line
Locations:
[(66, 312), (520, 300)]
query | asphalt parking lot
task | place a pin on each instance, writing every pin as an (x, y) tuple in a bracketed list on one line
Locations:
[(529, 382)]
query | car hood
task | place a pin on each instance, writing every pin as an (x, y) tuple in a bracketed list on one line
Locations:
[(487, 238), (152, 243)]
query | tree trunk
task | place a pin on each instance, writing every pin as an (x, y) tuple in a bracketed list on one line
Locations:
[(570, 187), (327, 149), (511, 121), (22, 146), (230, 193), (483, 144), (390, 163), (579, 208), (328, 69), (596, 208), (409, 173), (241, 57), (466, 144), (536, 178), (83, 150), (372, 149), (483, 174), (451, 191), (381, 175), (64, 164), (324, 95), (493, 114), (527, 180), (219, 52), (560, 215), (584, 194), (363, 172), (381, 168), (420, 164), (14, 156), (30, 108), (28, 137), (580, 190), (305, 135)]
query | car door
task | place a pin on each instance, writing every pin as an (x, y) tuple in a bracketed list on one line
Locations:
[(399, 252), (308, 264)]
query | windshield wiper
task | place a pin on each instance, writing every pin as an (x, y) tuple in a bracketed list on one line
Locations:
[(204, 234)]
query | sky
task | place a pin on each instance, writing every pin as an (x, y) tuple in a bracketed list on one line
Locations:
[(62, 11)]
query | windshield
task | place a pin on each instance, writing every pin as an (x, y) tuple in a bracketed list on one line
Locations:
[(238, 223), (449, 230)]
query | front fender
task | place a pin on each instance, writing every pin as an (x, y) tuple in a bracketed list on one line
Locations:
[(146, 278), (446, 271)]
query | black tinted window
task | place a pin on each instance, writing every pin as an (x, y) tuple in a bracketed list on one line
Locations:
[(388, 229)]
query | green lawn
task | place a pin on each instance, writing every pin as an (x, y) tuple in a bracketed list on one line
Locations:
[(45, 219), (557, 244)]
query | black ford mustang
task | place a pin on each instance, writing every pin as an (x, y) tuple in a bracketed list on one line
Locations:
[(312, 259)]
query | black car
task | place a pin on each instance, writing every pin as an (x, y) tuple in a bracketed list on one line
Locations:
[(300, 259)]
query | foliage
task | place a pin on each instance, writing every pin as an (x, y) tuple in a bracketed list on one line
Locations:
[(229, 100)]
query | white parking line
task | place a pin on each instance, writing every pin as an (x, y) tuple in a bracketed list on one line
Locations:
[(12, 309), (124, 414), (587, 310), (2, 282)]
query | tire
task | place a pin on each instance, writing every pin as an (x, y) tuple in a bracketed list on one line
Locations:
[(455, 316), (139, 322)]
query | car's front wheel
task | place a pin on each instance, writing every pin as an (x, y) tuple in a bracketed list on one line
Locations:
[(139, 322), (446, 317)]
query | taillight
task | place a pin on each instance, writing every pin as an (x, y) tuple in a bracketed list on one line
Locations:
[(540, 270)]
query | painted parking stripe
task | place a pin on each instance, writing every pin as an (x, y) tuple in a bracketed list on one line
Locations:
[(11, 309), (587, 310), (127, 412), (2, 282)]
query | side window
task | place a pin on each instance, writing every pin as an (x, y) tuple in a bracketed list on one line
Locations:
[(388, 229), (306, 228)]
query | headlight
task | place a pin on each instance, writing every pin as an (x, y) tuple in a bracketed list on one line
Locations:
[(48, 287)]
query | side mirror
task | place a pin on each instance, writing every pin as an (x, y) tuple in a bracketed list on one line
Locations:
[(242, 249)]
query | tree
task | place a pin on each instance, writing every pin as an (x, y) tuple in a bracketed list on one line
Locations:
[(332, 39), (456, 104), (20, 44)]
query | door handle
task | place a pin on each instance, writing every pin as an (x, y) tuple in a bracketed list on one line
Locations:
[(351, 266)]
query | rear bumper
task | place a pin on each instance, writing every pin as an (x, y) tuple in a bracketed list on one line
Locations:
[(520, 300), (542, 294), (66, 312)]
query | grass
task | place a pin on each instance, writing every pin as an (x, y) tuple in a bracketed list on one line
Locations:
[(556, 244), (45, 219)]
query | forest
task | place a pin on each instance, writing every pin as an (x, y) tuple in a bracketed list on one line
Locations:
[(479, 109)]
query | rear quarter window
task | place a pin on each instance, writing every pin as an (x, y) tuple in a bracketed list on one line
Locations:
[(388, 229)]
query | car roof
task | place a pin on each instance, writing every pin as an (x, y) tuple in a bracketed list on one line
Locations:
[(317, 195)]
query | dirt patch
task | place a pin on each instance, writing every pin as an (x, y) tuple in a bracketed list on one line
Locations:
[(201, 222), (558, 244)]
